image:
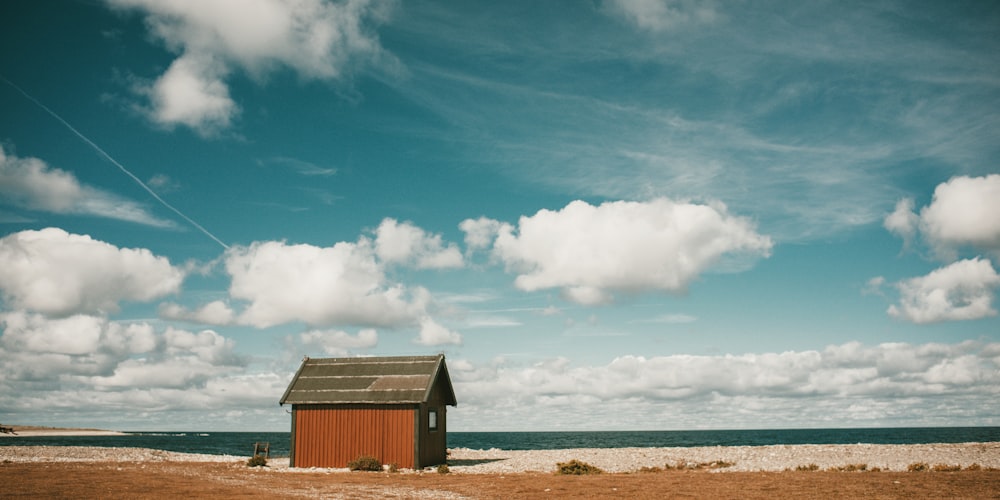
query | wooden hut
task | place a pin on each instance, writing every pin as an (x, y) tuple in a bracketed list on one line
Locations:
[(390, 408)]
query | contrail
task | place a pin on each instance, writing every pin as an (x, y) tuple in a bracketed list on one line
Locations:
[(115, 162)]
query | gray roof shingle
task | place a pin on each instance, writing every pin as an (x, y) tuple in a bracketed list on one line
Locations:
[(380, 380)]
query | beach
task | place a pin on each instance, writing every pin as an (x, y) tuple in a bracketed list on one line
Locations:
[(33, 431), (966, 470)]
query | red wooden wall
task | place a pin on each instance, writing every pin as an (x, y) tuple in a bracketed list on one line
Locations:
[(332, 436)]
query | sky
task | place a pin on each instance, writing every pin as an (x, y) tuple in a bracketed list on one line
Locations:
[(607, 214)]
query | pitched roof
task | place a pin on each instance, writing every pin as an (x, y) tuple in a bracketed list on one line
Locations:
[(382, 380)]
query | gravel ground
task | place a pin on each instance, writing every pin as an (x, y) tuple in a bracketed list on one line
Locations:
[(742, 458), (495, 461)]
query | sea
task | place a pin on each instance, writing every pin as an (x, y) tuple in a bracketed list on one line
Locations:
[(242, 443)]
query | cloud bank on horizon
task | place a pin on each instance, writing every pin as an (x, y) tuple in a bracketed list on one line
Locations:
[(639, 212)]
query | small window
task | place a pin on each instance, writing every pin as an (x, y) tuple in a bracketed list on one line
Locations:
[(432, 419)]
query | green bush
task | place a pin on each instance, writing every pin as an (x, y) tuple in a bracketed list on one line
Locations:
[(443, 469), (257, 461), (365, 462), (577, 468)]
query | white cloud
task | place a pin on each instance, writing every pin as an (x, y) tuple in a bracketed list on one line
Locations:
[(55, 272), (89, 369), (192, 93), (432, 333), (964, 211), (407, 244), (480, 233), (899, 382), (342, 284), (339, 343), (75, 335), (960, 291), (591, 251), (86, 351), (903, 222), (206, 345), (663, 15), (216, 312), (32, 184), (315, 38)]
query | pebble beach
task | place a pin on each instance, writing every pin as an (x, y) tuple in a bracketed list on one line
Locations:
[(495, 461)]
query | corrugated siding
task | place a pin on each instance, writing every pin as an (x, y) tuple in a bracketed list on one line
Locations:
[(331, 437)]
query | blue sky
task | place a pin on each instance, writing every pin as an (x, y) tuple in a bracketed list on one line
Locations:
[(607, 214)]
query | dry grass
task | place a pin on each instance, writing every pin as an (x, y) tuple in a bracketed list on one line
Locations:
[(231, 480), (716, 464), (577, 468)]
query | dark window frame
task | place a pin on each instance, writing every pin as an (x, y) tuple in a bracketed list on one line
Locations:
[(432, 419)]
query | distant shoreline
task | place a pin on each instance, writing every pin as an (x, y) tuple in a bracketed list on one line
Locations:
[(37, 431)]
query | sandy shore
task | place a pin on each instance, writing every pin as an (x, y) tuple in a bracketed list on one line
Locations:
[(30, 431), (495, 461)]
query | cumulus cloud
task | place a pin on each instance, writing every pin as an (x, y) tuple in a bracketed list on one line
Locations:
[(192, 93), (339, 343), (216, 312), (590, 252), (965, 212), (903, 222), (342, 284), (664, 15), (315, 38), (55, 272), (57, 368), (92, 351), (432, 333), (895, 382), (408, 244), (960, 291), (480, 233), (31, 184), (75, 335)]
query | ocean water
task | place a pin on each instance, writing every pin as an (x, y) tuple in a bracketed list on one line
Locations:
[(242, 443)]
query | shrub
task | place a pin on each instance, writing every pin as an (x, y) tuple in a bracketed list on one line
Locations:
[(257, 461), (946, 468), (810, 467), (393, 468), (443, 469), (974, 467), (918, 467), (365, 462), (682, 465), (853, 468), (577, 468), (718, 464)]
